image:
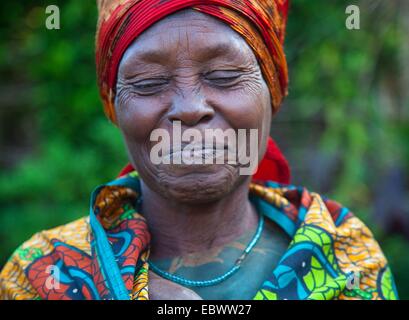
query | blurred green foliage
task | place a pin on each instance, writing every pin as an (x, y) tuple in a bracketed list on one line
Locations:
[(345, 87), (76, 148)]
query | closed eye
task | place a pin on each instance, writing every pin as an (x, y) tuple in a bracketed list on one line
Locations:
[(149, 86), (222, 78)]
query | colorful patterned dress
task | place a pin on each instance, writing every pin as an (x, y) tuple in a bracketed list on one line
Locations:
[(332, 255)]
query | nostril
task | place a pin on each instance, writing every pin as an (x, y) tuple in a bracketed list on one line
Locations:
[(191, 117), (206, 118)]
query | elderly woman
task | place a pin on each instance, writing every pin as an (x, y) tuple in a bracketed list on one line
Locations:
[(199, 231)]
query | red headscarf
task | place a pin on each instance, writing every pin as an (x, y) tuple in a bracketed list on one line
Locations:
[(260, 22)]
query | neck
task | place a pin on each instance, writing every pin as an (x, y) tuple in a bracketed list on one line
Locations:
[(178, 229)]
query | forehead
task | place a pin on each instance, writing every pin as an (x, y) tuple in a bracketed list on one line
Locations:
[(199, 36)]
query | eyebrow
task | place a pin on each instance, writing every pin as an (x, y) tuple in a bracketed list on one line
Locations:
[(210, 52)]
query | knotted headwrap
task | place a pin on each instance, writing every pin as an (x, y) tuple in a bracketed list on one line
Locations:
[(261, 23)]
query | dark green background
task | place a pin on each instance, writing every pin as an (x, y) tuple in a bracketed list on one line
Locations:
[(344, 127)]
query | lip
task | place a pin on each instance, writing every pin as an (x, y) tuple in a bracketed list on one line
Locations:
[(197, 154), (195, 148)]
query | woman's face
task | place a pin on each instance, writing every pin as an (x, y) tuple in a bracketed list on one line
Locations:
[(191, 69)]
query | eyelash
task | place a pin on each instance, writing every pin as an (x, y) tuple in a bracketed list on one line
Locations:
[(226, 83), (149, 86), (227, 79)]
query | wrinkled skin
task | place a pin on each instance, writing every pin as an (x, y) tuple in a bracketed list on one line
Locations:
[(175, 72)]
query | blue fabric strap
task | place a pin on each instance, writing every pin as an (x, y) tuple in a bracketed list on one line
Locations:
[(106, 258)]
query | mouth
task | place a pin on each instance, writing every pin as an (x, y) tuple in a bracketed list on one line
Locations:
[(196, 153)]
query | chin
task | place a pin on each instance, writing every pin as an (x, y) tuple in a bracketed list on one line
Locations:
[(197, 184)]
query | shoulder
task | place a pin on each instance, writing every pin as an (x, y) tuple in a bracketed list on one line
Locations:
[(303, 206), (293, 206), (14, 283), (341, 238)]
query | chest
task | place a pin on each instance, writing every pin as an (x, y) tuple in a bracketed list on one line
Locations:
[(243, 284)]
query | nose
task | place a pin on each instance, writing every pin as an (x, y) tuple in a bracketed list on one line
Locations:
[(190, 109)]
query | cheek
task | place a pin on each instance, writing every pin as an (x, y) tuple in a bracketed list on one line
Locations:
[(246, 108), (249, 108), (266, 118), (138, 117), (252, 109)]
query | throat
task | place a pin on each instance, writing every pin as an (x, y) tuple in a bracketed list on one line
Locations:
[(187, 230), (221, 259)]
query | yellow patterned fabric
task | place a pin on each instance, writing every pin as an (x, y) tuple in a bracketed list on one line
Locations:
[(332, 255), (14, 283), (346, 242)]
